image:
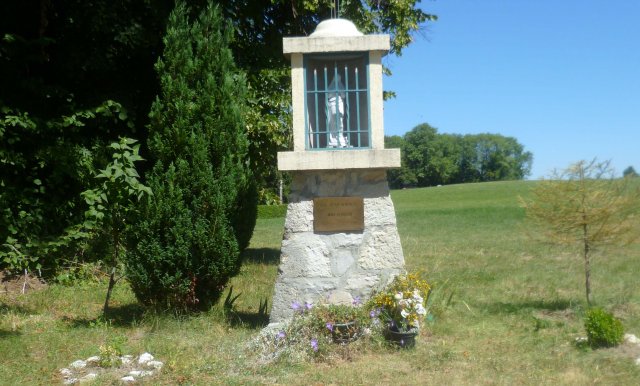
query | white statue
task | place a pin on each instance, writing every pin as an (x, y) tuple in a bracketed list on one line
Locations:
[(335, 113)]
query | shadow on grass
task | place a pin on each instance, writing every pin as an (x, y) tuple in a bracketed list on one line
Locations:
[(6, 333), (7, 308), (261, 255), (120, 316), (518, 307), (253, 320)]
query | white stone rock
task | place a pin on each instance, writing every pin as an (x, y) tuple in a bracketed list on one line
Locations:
[(340, 297), (88, 378), (630, 338), (79, 364), (581, 339), (70, 381), (126, 359), (92, 361), (638, 361), (381, 249), (362, 284), (128, 379), (301, 217), (66, 372), (379, 211), (140, 373), (155, 364), (144, 358), (304, 255)]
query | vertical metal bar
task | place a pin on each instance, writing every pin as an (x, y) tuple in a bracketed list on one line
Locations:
[(346, 94), (326, 103), (357, 106), (316, 130), (337, 96)]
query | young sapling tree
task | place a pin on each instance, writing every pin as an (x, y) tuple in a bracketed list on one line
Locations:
[(112, 201), (584, 205)]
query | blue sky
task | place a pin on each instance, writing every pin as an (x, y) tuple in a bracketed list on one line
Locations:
[(562, 77)]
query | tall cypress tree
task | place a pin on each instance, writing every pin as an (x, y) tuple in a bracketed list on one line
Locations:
[(188, 241)]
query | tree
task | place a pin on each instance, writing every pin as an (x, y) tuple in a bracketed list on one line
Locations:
[(585, 206), (419, 151), (111, 203), (75, 75), (403, 177), (188, 240), (430, 158), (629, 172), (500, 158)]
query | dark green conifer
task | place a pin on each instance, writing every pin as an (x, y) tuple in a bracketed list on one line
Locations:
[(188, 241)]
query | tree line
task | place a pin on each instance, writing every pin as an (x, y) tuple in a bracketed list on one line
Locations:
[(430, 158)]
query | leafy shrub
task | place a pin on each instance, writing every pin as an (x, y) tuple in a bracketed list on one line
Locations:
[(46, 161), (190, 233), (603, 329)]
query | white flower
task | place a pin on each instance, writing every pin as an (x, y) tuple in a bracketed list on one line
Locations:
[(404, 313), (421, 310), (417, 297), (398, 296)]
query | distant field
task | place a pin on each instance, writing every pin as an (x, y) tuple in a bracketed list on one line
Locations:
[(508, 310)]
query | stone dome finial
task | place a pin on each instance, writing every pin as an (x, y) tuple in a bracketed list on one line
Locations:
[(335, 27)]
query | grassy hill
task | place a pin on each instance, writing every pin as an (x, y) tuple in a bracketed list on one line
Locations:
[(508, 310)]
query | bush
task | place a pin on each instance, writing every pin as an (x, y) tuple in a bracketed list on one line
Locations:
[(603, 329), (189, 237)]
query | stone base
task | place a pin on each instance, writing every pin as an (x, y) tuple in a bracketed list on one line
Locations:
[(336, 267)]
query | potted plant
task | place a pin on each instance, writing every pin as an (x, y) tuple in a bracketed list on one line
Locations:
[(402, 306), (344, 322)]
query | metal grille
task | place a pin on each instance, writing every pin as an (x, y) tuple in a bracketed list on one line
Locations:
[(337, 112)]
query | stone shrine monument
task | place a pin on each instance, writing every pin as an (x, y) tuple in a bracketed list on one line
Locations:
[(340, 241)]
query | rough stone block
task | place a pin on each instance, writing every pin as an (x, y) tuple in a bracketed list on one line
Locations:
[(379, 212), (299, 217), (381, 249), (304, 255)]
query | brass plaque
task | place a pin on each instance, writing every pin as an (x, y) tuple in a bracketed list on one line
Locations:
[(338, 214)]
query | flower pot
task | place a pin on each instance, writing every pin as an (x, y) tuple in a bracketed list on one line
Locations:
[(402, 339), (345, 332)]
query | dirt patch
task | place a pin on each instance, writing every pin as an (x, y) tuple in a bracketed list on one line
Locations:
[(19, 284), (563, 316), (628, 350)]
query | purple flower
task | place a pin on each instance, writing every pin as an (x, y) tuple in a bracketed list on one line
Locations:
[(357, 301), (308, 305), (314, 344), (330, 326), (281, 335), (296, 306)]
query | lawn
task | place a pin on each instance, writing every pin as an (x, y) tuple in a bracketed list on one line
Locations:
[(508, 310)]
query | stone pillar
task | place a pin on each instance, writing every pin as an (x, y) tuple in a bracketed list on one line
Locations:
[(336, 267)]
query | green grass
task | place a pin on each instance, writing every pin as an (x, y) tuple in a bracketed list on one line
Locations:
[(517, 307)]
